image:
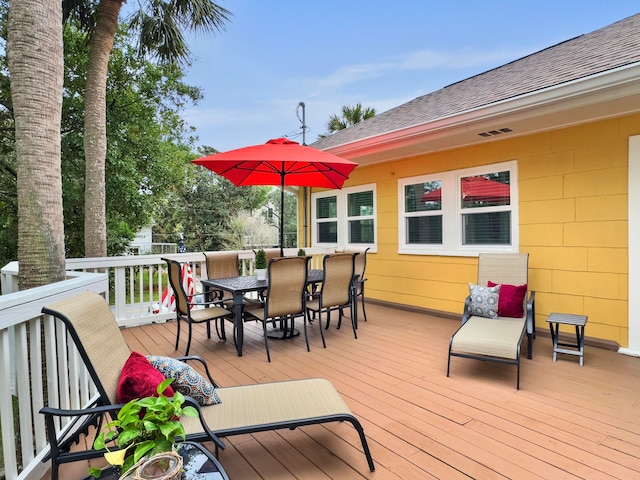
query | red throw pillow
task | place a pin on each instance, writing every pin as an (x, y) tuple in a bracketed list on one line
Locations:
[(139, 379), (510, 300)]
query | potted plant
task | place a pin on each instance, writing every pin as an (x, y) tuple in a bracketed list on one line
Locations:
[(261, 264), (144, 436), (301, 252)]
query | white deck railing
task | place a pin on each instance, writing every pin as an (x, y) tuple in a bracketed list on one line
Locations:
[(40, 366)]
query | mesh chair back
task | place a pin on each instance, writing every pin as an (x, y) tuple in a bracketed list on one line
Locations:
[(361, 261), (510, 268), (272, 253), (287, 284), (338, 274), (175, 280), (97, 336), (221, 264), (360, 265)]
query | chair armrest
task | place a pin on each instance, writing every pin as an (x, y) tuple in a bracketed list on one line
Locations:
[(61, 412), (467, 310), (203, 363), (531, 313), (212, 436)]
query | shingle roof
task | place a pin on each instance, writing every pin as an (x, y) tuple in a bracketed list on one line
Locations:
[(610, 47)]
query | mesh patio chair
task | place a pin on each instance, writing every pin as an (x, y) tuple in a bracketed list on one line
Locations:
[(192, 312), (360, 268), (244, 409), (336, 292), (221, 265), (284, 298), (484, 334)]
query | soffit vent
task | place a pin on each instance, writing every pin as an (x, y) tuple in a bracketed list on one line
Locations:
[(492, 133)]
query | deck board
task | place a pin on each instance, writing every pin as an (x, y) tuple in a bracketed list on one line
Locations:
[(566, 422)]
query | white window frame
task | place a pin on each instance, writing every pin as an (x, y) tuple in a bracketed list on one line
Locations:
[(342, 219), (452, 213)]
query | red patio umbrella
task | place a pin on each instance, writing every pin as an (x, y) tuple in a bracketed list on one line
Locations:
[(280, 162), (477, 188)]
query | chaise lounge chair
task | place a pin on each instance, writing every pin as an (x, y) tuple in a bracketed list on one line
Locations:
[(243, 409), (497, 339)]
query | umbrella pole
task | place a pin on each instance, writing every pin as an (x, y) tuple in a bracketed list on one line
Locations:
[(282, 211)]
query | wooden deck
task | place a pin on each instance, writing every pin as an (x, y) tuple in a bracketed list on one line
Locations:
[(566, 422)]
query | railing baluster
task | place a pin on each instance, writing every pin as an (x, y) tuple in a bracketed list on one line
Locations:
[(6, 408), (23, 391), (37, 390)]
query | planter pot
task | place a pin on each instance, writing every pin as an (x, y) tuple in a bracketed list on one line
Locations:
[(163, 466), (261, 273)]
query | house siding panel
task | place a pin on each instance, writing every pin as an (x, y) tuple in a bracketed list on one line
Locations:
[(573, 221), (540, 187), (561, 258), (596, 234), (554, 211), (611, 181), (607, 207)]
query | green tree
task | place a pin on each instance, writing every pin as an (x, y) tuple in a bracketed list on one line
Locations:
[(350, 116), (158, 26), (290, 215), (204, 209), (35, 62), (149, 143)]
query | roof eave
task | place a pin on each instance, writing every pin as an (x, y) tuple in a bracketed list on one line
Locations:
[(603, 95)]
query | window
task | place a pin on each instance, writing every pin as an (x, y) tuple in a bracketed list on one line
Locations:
[(327, 215), (459, 212), (360, 217), (344, 217)]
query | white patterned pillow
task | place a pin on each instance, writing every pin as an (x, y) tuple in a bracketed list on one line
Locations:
[(484, 300), (185, 379)]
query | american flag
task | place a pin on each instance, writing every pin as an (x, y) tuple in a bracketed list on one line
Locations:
[(168, 301)]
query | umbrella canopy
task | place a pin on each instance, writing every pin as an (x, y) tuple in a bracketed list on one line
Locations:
[(475, 189), (280, 162)]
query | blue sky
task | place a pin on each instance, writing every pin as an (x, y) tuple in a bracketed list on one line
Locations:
[(326, 53)]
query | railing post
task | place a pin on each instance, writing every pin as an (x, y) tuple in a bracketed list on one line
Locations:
[(120, 294)]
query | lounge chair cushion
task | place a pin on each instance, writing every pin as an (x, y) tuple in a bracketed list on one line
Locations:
[(484, 300), (185, 379), (139, 379), (511, 300)]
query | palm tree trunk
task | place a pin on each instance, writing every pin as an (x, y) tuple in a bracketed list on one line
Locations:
[(35, 60), (95, 128)]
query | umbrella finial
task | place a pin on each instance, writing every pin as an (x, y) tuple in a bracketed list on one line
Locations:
[(282, 141)]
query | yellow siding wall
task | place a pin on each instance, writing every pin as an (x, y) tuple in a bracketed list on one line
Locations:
[(573, 223)]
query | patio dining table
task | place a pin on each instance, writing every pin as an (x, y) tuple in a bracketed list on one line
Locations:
[(239, 287)]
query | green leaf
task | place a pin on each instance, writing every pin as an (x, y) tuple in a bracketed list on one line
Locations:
[(163, 386), (142, 449), (95, 472), (190, 411), (98, 444), (128, 436)]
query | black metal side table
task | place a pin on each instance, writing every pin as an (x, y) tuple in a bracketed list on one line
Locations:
[(579, 321), (198, 464)]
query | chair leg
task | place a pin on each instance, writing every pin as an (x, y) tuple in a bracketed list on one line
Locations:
[(189, 339), (223, 334), (266, 340), (328, 317), (353, 306), (364, 312), (324, 344), (304, 326), (178, 332)]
